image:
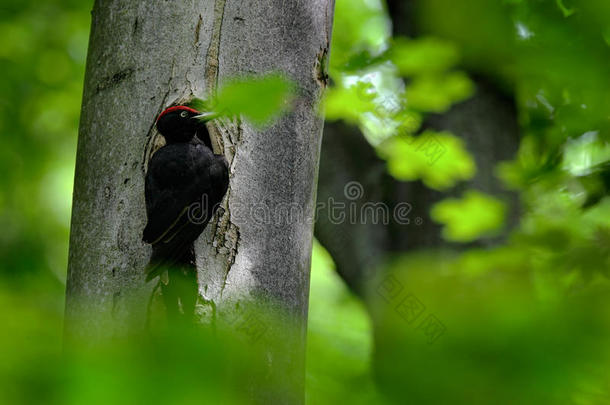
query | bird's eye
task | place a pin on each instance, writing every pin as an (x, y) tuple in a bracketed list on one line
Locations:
[(184, 114)]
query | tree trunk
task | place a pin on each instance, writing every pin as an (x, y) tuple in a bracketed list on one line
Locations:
[(487, 123), (145, 56)]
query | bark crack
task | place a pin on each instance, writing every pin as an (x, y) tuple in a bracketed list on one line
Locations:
[(320, 68), (226, 234), (212, 67), (114, 80), (198, 29)]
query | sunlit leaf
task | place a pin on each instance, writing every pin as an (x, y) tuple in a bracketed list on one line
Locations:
[(423, 56), (359, 27), (534, 163), (258, 99), (349, 103), (582, 154), (438, 158), (436, 93), (469, 218)]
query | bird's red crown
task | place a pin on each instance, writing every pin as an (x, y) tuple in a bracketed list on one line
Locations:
[(177, 108)]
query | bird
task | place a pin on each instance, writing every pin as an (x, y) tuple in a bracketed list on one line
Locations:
[(184, 186)]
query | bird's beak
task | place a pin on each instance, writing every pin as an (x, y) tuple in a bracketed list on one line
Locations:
[(207, 116)]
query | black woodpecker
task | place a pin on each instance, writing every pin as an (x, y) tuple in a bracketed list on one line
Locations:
[(184, 186)]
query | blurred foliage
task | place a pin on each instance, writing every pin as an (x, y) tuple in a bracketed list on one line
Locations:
[(339, 340), (551, 55), (412, 157), (476, 214), (367, 74), (446, 334), (42, 56), (523, 322), (273, 94), (176, 365)]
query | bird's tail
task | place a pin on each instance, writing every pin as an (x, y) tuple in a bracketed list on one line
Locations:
[(178, 280)]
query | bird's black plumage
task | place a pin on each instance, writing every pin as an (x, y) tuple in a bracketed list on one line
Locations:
[(184, 185)]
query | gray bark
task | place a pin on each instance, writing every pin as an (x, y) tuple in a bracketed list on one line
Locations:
[(145, 56)]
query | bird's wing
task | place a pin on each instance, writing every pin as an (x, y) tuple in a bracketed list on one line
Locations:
[(219, 173), (171, 203), (166, 218)]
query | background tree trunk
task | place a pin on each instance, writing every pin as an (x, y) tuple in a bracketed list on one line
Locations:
[(145, 56), (487, 123)]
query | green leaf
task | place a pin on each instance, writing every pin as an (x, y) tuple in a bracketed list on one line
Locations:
[(358, 26), (470, 218), (439, 159), (200, 104), (360, 61), (582, 154), (349, 103), (423, 56), (257, 99), (436, 93)]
